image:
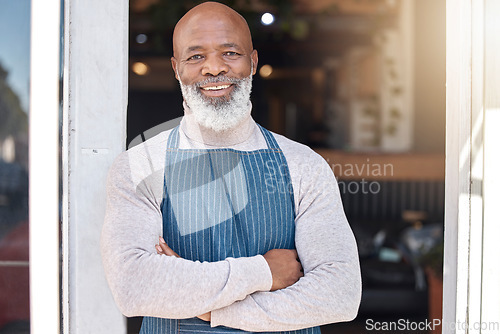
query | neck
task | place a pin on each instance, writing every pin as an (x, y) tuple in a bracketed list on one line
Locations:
[(230, 137)]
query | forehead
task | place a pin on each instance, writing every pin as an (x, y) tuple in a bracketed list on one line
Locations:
[(206, 32)]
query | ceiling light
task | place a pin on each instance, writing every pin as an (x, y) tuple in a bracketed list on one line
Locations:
[(140, 68), (267, 19), (266, 71), (141, 38)]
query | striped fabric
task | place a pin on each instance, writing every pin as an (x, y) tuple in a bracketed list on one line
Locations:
[(195, 325), (223, 203)]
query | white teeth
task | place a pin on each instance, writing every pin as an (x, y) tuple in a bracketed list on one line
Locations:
[(216, 87)]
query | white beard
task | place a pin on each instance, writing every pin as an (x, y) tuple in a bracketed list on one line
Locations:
[(219, 113)]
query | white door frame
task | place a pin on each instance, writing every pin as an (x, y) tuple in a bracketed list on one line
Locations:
[(44, 166), (471, 294), (94, 120), (458, 157)]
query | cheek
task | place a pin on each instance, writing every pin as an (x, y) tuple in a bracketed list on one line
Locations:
[(188, 75), (239, 71)]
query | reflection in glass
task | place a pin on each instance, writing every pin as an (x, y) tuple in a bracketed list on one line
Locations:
[(14, 227)]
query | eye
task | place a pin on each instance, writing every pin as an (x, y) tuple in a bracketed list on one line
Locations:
[(195, 58), (231, 54)]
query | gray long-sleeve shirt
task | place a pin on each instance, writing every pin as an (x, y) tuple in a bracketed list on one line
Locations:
[(235, 290)]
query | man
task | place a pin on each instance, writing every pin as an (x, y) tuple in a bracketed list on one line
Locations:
[(253, 236)]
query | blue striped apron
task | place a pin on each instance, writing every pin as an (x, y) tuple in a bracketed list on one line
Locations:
[(222, 203)]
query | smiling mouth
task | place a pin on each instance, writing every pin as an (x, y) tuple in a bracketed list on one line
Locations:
[(215, 88)]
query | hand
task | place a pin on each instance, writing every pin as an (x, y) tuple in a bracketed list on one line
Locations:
[(206, 316), (285, 267), (163, 249)]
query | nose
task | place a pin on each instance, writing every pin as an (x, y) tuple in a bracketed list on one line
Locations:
[(214, 65)]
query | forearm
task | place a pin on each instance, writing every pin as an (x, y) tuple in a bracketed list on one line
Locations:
[(330, 290), (148, 284), (315, 300)]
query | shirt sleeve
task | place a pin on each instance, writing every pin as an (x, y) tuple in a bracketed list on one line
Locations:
[(330, 290), (144, 283)]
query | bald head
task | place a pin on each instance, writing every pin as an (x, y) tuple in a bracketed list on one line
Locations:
[(210, 16), (213, 40)]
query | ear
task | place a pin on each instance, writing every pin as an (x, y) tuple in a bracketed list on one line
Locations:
[(255, 61), (174, 66)]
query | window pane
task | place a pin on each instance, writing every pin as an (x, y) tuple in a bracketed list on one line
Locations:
[(14, 102)]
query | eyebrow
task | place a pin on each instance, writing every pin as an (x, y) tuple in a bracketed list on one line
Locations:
[(231, 45), (194, 48), (225, 45)]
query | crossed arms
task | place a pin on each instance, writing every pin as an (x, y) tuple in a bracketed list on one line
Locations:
[(261, 293), (284, 265)]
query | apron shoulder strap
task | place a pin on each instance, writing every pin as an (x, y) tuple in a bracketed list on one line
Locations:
[(270, 140), (173, 138)]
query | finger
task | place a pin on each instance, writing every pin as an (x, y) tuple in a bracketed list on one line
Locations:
[(205, 316), (158, 249), (167, 250)]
